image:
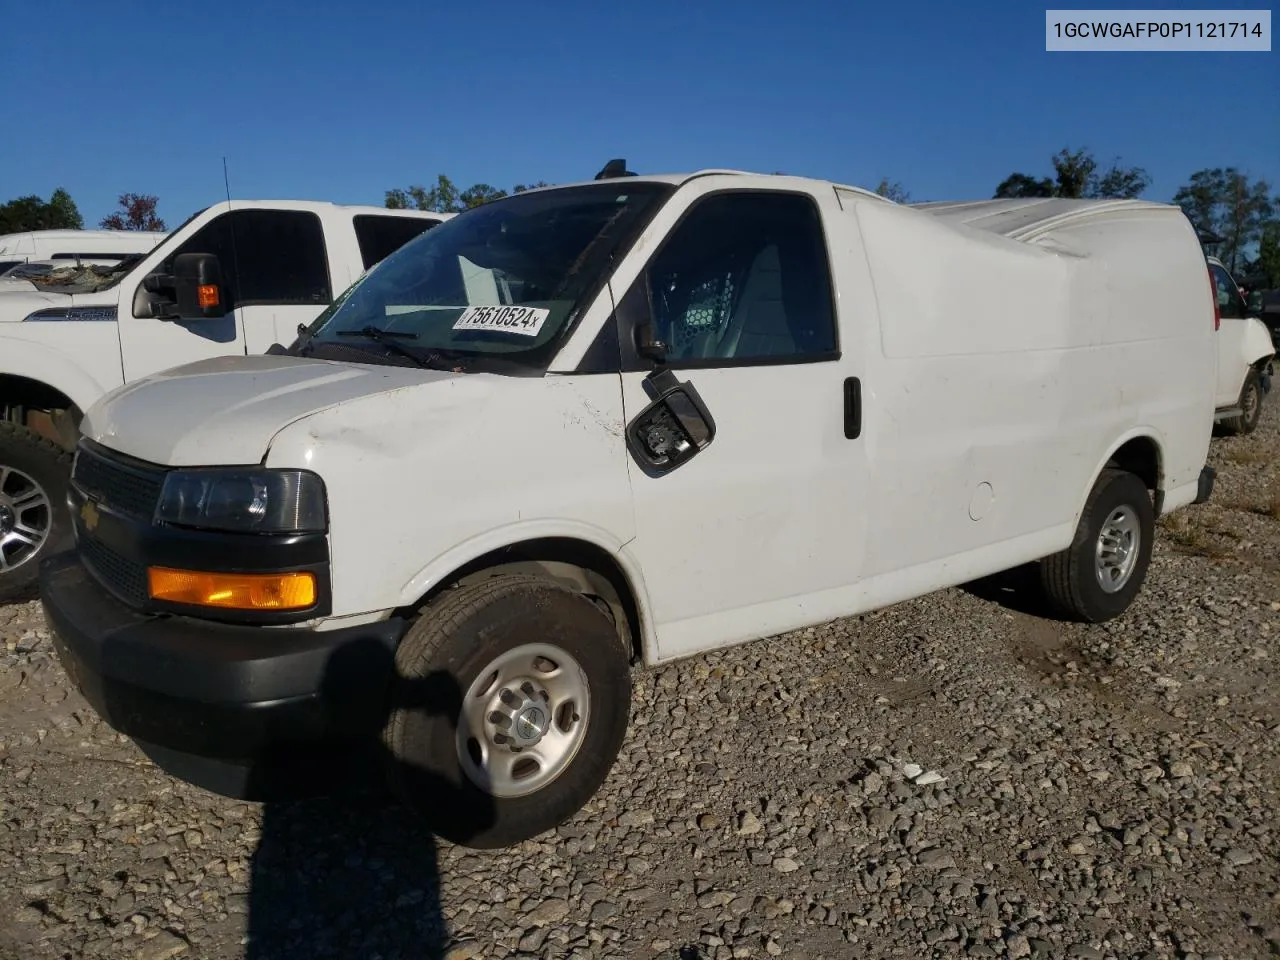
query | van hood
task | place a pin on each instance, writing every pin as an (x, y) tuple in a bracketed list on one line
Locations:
[(225, 411)]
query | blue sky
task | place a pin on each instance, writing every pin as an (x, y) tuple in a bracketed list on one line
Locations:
[(342, 101)]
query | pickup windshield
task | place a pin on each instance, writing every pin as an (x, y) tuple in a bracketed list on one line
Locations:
[(506, 280)]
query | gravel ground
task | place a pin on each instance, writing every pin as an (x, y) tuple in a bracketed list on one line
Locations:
[(952, 776)]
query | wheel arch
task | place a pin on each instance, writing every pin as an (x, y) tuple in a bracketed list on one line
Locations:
[(1139, 452), (581, 565), (40, 407)]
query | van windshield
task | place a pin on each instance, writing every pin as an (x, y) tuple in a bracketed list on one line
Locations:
[(505, 280)]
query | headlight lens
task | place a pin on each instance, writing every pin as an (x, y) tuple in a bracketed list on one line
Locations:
[(245, 501)]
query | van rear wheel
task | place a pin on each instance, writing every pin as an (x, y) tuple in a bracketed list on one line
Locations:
[(34, 473), (510, 703), (1098, 576)]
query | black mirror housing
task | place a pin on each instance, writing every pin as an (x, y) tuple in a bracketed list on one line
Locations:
[(673, 429), (198, 289)]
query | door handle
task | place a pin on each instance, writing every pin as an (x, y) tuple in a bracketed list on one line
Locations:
[(852, 408)]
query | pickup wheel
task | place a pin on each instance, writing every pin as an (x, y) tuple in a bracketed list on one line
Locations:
[(510, 703), (1097, 577), (34, 473), (1250, 406)]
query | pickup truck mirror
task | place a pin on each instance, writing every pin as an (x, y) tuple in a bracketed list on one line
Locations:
[(198, 289), (674, 428)]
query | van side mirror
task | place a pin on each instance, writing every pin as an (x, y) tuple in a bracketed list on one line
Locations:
[(198, 289), (648, 345), (672, 429)]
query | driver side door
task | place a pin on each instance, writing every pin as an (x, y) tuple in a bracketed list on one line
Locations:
[(762, 530)]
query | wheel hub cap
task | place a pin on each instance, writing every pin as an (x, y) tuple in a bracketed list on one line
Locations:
[(523, 716), (1116, 552), (25, 518), (523, 720)]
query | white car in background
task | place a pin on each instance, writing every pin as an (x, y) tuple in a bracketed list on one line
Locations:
[(114, 245), (1246, 356)]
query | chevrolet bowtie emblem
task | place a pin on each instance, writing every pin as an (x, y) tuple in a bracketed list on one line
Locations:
[(89, 514)]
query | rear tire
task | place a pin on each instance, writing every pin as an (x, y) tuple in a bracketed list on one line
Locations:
[(1250, 406), (1098, 576), (505, 675), (34, 524)]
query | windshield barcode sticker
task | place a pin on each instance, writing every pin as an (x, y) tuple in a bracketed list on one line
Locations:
[(526, 321)]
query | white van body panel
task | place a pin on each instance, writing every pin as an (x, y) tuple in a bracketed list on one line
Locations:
[(1006, 349)]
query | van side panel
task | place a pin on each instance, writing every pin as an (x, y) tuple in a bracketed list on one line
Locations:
[(1011, 370)]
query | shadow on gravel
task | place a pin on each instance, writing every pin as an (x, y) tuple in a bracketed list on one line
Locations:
[(354, 874), (1017, 590)]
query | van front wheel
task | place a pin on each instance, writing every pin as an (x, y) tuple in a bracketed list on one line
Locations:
[(509, 705), (1098, 576)]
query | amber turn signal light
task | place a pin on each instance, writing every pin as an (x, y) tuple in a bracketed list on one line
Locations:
[(207, 295), (236, 591)]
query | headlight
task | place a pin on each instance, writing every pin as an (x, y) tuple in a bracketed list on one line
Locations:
[(244, 501)]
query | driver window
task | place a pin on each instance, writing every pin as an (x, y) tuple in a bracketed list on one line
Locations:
[(744, 278)]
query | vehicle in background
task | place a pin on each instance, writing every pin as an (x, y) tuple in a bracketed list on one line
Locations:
[(1246, 352), (37, 274), (29, 245), (641, 417), (66, 342)]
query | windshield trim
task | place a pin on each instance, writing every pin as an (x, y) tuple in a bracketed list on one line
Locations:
[(530, 360)]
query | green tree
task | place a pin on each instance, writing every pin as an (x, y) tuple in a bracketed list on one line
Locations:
[(65, 211), (1226, 202), (1267, 262), (1022, 185), (32, 213), (445, 197), (893, 191), (1076, 174)]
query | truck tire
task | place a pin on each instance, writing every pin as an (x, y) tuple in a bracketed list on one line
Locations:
[(34, 473), (1098, 576), (1250, 406), (509, 705)]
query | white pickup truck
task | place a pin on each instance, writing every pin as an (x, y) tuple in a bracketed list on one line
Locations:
[(681, 412), (1246, 353), (64, 345)]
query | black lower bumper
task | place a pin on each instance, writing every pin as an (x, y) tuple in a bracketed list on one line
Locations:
[(1204, 488), (238, 710)]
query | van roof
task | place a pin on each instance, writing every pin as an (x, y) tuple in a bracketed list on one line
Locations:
[(1023, 218), (325, 205), (80, 234)]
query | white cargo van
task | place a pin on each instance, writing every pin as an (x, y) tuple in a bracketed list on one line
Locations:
[(67, 340), (16, 248), (1246, 355), (640, 417)]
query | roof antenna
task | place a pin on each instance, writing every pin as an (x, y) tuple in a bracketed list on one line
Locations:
[(614, 168)]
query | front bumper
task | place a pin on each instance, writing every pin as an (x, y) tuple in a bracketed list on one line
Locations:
[(246, 711)]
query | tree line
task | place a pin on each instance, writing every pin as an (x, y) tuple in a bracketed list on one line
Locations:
[(1235, 216), (137, 211)]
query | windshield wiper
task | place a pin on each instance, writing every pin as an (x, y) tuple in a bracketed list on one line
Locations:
[(432, 360), (388, 339)]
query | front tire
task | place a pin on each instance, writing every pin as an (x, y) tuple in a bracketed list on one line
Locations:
[(510, 704), (1100, 574), (34, 473), (1250, 406)]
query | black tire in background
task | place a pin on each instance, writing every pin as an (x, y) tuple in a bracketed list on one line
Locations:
[(457, 645), (28, 463), (1250, 406), (1119, 507)]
